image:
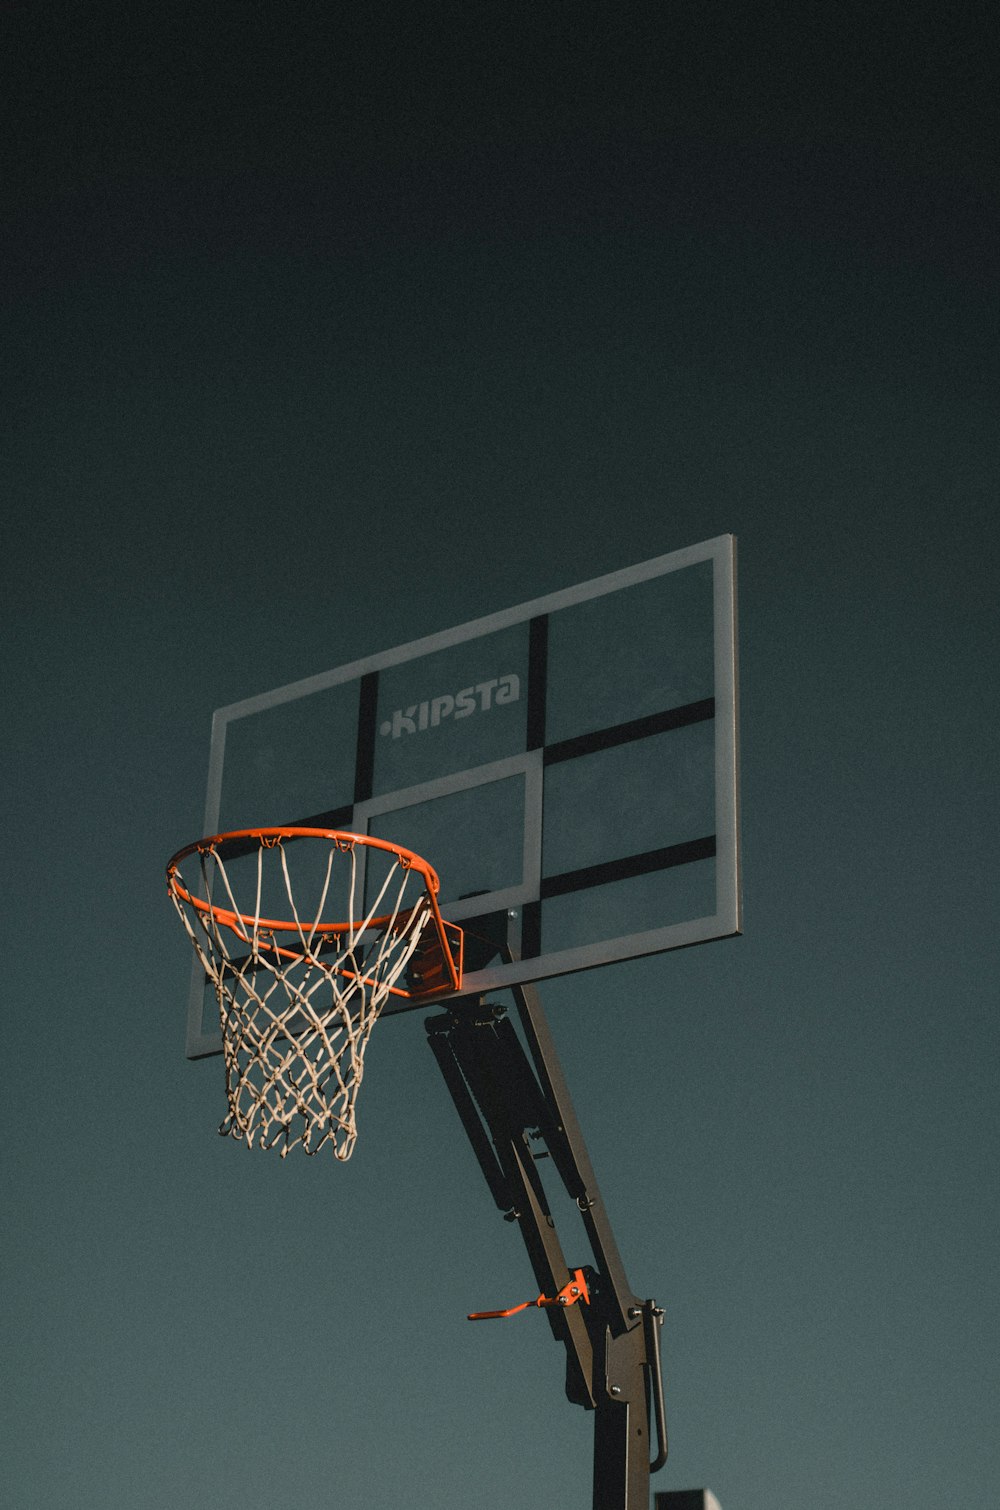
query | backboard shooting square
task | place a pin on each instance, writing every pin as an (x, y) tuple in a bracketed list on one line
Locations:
[(569, 768)]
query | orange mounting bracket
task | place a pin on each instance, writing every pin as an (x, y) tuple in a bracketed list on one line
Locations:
[(573, 1290)]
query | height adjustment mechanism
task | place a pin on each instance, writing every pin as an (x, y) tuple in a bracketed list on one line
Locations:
[(574, 1290)]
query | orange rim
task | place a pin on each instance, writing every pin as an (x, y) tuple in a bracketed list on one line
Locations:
[(344, 841), (243, 924)]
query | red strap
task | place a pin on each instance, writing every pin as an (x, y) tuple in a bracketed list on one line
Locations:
[(573, 1290)]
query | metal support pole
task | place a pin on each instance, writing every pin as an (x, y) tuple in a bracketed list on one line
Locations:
[(621, 1436), (505, 1100)]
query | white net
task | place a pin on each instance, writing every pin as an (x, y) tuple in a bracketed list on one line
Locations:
[(298, 998)]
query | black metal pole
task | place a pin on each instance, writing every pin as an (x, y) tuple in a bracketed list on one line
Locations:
[(504, 1100)]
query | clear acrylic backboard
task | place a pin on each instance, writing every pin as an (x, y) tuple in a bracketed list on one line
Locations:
[(568, 767)]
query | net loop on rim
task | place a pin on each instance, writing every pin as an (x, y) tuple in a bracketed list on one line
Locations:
[(299, 993)]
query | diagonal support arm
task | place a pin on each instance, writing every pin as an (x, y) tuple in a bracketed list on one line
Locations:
[(504, 1099)]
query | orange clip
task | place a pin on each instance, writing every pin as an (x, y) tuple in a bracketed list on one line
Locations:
[(573, 1290)]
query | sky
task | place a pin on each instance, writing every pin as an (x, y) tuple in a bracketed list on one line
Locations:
[(320, 336)]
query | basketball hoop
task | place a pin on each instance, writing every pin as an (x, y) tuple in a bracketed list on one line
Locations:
[(299, 994)]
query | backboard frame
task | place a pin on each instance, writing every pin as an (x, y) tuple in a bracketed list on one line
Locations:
[(529, 766)]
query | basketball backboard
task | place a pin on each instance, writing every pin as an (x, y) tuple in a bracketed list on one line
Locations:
[(569, 768)]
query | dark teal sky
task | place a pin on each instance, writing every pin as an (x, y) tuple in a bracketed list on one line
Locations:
[(317, 340)]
